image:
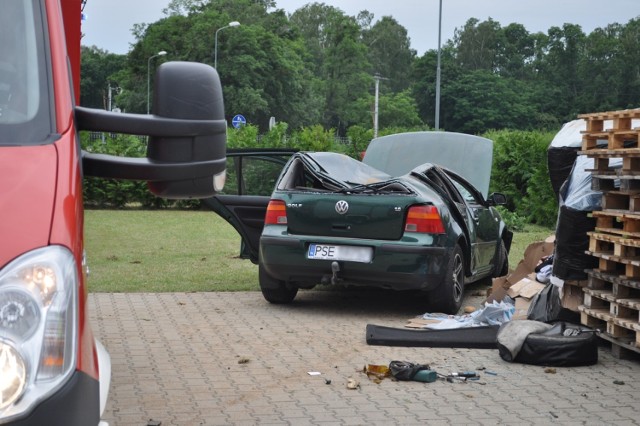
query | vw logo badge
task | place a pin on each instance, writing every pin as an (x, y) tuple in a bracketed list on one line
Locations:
[(342, 207)]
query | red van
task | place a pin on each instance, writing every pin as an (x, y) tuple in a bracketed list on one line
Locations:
[(52, 369)]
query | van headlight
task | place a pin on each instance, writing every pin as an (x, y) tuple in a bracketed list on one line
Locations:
[(38, 317)]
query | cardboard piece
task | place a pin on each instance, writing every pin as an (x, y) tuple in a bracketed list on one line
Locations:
[(533, 255), (572, 297), (522, 293), (421, 322), (522, 308), (527, 287)]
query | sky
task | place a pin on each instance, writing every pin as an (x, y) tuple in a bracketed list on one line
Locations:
[(108, 23)]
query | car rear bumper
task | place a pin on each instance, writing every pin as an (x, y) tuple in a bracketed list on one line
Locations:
[(394, 266), (75, 403)]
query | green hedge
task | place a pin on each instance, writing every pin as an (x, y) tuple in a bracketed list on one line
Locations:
[(520, 171), (118, 194), (519, 167)]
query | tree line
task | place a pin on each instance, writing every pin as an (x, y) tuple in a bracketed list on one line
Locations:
[(317, 66)]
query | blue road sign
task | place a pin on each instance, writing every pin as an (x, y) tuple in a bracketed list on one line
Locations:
[(238, 121)]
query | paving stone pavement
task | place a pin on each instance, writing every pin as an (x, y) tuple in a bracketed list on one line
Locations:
[(234, 359)]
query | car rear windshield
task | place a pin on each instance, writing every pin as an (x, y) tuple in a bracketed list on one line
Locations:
[(25, 115)]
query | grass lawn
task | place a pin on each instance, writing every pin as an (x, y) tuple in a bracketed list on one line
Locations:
[(168, 250)]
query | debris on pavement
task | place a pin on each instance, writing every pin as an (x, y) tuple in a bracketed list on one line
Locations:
[(352, 383), (376, 373)]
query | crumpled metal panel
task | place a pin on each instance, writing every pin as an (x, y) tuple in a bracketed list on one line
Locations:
[(468, 155), (344, 168)]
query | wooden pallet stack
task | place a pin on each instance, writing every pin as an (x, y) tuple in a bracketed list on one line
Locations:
[(612, 295)]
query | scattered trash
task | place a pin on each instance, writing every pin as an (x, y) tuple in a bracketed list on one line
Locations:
[(465, 374), (618, 382), (152, 422), (404, 370), (544, 274), (314, 373), (494, 313), (327, 381), (425, 376), (376, 373), (550, 370), (243, 360), (352, 383), (491, 373)]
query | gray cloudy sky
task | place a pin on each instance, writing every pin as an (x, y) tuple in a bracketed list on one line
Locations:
[(108, 22)]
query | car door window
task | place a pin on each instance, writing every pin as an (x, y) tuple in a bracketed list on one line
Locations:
[(467, 192), (253, 174)]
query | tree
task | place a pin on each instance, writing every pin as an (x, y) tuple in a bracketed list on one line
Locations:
[(346, 74), (481, 100), (565, 48), (478, 45), (516, 52), (260, 62), (424, 77), (390, 53), (97, 69)]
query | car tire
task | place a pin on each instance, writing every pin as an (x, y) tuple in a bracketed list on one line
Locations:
[(502, 261), (448, 297), (275, 291)]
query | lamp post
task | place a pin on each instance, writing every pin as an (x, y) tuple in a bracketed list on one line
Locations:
[(215, 48), (438, 71), (377, 77), (160, 53)]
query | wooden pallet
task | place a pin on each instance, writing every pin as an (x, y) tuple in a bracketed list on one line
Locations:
[(620, 223), (607, 182), (612, 305), (621, 201), (611, 300), (615, 245), (623, 334), (630, 165), (619, 309), (621, 136)]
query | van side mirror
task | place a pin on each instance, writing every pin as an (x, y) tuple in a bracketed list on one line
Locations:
[(186, 154), (187, 91)]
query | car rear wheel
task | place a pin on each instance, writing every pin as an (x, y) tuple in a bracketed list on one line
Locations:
[(448, 297), (501, 268), (273, 290)]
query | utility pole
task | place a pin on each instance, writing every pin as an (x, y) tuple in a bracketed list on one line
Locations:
[(438, 71), (377, 77)]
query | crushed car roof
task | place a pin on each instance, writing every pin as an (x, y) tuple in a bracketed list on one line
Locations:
[(467, 155)]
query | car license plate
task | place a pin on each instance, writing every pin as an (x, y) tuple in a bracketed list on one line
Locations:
[(334, 252)]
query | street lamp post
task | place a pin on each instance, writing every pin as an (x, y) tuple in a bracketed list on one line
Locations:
[(438, 71), (160, 53), (215, 48), (377, 77)]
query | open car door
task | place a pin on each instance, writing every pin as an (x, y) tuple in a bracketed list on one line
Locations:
[(251, 178)]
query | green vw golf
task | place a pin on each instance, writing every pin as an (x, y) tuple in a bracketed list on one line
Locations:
[(413, 215)]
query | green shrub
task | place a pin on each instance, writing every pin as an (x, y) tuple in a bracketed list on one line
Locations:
[(514, 221), (115, 193), (520, 171)]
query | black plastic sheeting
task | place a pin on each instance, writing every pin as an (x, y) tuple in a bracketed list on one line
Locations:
[(483, 337), (570, 260), (560, 162)]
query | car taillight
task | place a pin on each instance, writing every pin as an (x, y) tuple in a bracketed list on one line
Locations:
[(424, 219), (276, 213)]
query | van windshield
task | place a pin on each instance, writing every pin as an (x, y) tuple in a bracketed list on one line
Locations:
[(25, 117)]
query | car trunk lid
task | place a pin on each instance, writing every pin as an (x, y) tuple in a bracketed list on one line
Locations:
[(371, 216)]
